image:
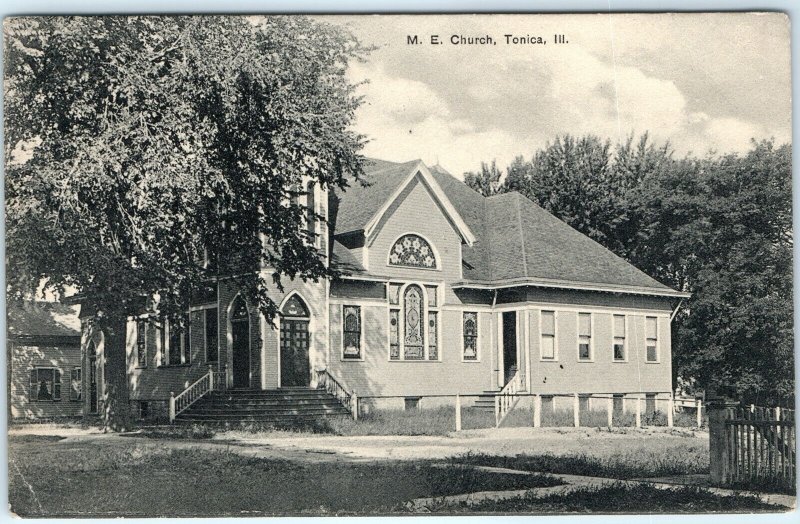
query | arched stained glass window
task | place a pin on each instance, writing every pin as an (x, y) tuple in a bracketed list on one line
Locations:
[(295, 307), (412, 251), (239, 310), (414, 323)]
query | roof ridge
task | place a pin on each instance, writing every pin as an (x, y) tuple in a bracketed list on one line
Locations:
[(521, 235)]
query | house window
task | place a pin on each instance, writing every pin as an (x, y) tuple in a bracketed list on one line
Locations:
[(75, 384), (412, 251), (141, 343), (433, 331), (311, 221), (45, 384), (548, 335), (651, 332), (414, 320), (585, 336), (394, 334), (211, 334), (177, 349), (413, 323), (619, 337), (351, 332), (470, 323)]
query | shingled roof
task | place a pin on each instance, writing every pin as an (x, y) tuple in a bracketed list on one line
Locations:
[(518, 242), (29, 319)]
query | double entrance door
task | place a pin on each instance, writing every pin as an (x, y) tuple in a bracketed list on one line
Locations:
[(295, 365)]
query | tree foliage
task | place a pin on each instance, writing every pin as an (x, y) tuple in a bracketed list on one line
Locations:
[(717, 227), (136, 145), (486, 181)]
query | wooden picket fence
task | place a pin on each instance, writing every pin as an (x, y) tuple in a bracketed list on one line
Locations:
[(761, 445)]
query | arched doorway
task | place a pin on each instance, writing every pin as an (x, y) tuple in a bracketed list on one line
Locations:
[(295, 365), (240, 343), (92, 356)]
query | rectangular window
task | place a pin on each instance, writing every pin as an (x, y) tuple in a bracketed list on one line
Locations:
[(651, 332), (584, 336), (394, 334), (45, 384), (619, 337), (162, 340), (548, 335), (351, 332), (432, 298), (141, 343), (75, 384), (470, 322), (433, 335), (176, 344), (212, 335), (394, 294)]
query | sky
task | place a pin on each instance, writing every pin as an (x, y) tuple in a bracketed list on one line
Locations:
[(705, 82)]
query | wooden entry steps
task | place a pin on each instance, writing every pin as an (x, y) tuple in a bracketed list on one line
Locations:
[(485, 401), (262, 406)]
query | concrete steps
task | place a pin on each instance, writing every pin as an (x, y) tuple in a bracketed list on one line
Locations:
[(264, 406)]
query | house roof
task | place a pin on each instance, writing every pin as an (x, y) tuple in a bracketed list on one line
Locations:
[(517, 242), (29, 319)]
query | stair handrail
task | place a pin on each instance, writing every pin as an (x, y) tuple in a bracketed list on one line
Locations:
[(328, 382), (507, 398), (180, 402)]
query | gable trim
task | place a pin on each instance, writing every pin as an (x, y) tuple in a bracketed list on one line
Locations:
[(420, 169)]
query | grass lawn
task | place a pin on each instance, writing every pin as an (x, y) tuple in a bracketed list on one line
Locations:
[(638, 462), (132, 478), (619, 499)]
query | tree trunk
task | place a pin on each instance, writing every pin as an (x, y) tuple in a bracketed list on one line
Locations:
[(116, 408)]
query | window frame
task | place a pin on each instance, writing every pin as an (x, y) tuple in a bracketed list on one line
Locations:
[(56, 371), (624, 337), (657, 341), (436, 258), (427, 310), (142, 338), (205, 311), (542, 358), (477, 336), (165, 343), (591, 338), (342, 356), (79, 395)]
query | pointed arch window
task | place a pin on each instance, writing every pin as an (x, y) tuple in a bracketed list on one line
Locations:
[(414, 323), (412, 251)]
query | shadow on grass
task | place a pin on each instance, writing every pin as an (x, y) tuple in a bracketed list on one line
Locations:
[(619, 498), (148, 480), (625, 465)]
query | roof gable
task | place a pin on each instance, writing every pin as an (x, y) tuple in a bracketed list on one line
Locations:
[(366, 207)]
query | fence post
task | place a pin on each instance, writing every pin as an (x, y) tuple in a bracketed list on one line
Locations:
[(638, 411), (354, 405), (670, 411), (171, 407), (719, 410), (611, 411), (777, 414), (576, 410), (497, 411), (458, 412), (699, 404), (537, 411)]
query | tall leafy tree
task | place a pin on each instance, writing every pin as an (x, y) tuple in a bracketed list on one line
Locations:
[(720, 228), (486, 181), (137, 145)]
